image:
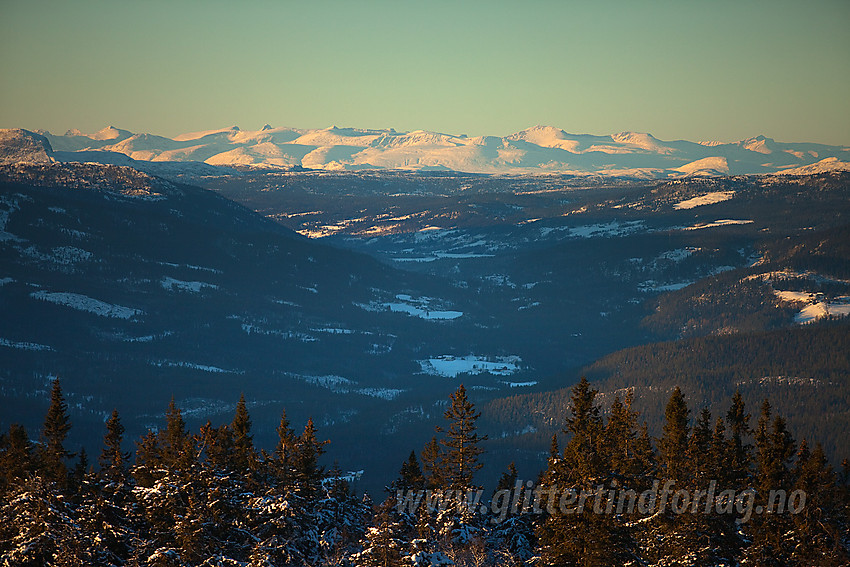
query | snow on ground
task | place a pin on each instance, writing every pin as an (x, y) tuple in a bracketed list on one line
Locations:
[(172, 284), (609, 229), (190, 267), (4, 281), (519, 384), (10, 205), (707, 199), (85, 303), (148, 338), (677, 255), (792, 296), (450, 366), (23, 345), (653, 286), (193, 366), (414, 306), (719, 222), (441, 255), (333, 331), (815, 309), (342, 385)]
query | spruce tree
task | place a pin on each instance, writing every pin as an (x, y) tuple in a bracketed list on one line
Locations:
[(508, 479), (55, 430), (461, 442), (308, 473), (15, 455), (699, 463), (674, 440), (175, 441), (244, 457), (582, 457), (432, 465), (284, 452), (581, 536), (112, 458), (739, 452), (410, 476)]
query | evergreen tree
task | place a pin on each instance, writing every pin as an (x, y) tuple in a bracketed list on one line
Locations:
[(620, 437), (822, 524), (112, 458), (308, 473), (175, 442), (284, 453), (148, 459), (508, 479), (15, 455), (582, 457), (580, 536), (410, 475), (217, 445), (461, 442), (554, 450), (52, 453), (774, 451), (719, 453), (699, 465), (739, 452), (244, 457), (674, 440), (78, 474), (432, 465)]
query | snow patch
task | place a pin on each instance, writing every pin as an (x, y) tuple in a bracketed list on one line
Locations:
[(450, 366), (172, 284), (24, 345), (707, 199), (89, 304)]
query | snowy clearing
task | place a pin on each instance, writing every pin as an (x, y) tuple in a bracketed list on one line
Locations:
[(450, 366), (24, 345), (719, 222), (85, 303), (172, 284), (193, 366), (707, 199)]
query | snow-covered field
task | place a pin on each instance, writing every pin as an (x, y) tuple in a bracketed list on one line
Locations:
[(342, 385), (707, 199), (814, 309), (193, 366), (718, 222), (414, 306), (180, 285), (23, 345), (450, 366), (85, 303)]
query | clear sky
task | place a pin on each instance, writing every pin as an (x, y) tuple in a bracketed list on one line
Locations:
[(711, 70)]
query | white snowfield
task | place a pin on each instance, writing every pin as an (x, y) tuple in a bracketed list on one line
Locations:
[(85, 303), (451, 366), (540, 149), (421, 307), (707, 199), (814, 308), (180, 285), (24, 345)]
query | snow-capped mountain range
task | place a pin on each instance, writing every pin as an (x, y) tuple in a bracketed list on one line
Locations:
[(540, 149)]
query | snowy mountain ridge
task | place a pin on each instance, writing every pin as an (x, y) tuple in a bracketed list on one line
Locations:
[(539, 149)]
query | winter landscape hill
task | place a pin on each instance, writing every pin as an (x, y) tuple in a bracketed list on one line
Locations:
[(134, 285), (357, 278), (540, 149)]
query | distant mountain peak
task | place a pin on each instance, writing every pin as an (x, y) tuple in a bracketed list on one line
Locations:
[(539, 149)]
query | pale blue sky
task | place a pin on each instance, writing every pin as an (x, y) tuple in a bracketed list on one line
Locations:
[(679, 69)]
